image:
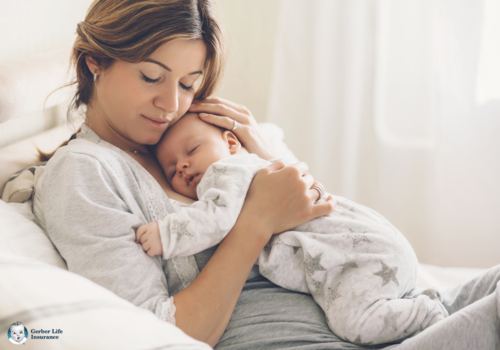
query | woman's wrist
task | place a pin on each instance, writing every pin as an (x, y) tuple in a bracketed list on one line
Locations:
[(252, 225)]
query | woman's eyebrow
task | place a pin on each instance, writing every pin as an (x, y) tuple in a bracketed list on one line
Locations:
[(167, 68)]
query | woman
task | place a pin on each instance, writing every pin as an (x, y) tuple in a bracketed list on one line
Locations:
[(140, 64)]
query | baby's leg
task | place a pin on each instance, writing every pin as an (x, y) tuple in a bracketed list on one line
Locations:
[(363, 304)]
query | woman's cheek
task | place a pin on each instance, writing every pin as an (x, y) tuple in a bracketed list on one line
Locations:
[(184, 103)]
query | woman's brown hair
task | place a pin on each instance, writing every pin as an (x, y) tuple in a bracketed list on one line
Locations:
[(131, 30)]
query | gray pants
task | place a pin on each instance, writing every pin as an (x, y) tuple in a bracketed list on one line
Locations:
[(474, 321)]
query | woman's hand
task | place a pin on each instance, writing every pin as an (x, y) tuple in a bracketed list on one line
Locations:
[(223, 113), (280, 198)]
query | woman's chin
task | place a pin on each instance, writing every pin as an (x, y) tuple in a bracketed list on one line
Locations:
[(149, 138)]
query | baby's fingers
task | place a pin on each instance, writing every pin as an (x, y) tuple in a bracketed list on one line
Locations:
[(146, 246), (140, 232)]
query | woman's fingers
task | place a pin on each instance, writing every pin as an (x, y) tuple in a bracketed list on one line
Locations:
[(223, 113), (325, 208), (317, 191), (220, 109), (218, 100), (302, 167), (223, 122), (278, 165), (308, 180)]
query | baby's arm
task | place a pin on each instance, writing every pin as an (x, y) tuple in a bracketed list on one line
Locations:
[(205, 223)]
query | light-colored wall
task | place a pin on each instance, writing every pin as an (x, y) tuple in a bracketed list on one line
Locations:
[(251, 29), (31, 27), (35, 33)]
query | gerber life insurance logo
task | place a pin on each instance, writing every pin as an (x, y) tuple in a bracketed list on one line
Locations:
[(17, 333)]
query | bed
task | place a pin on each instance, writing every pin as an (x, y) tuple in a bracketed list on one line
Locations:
[(37, 289)]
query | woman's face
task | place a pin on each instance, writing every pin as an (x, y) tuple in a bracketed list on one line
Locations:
[(138, 101)]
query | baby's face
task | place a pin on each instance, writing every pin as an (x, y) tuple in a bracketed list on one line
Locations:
[(188, 149), (17, 333)]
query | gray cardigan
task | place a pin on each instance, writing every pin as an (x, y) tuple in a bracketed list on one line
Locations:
[(90, 200)]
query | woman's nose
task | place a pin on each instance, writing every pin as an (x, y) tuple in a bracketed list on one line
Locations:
[(168, 98)]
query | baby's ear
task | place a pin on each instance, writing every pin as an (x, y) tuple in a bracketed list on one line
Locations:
[(232, 142)]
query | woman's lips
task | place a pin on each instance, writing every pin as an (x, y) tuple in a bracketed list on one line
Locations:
[(156, 123)]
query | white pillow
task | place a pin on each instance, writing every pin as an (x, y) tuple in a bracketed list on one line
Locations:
[(45, 297), (20, 236)]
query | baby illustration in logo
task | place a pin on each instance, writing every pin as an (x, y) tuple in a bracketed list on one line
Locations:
[(17, 333)]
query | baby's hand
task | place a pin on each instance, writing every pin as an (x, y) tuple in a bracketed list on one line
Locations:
[(149, 236)]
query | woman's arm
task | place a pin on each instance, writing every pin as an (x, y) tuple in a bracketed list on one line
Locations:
[(278, 199), (91, 218)]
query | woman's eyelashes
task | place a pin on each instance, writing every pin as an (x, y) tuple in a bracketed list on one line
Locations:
[(154, 81), (184, 87), (149, 80)]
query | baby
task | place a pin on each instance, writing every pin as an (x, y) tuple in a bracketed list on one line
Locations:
[(17, 333), (357, 266)]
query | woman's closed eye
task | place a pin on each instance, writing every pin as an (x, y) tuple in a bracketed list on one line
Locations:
[(148, 79), (184, 87), (154, 81)]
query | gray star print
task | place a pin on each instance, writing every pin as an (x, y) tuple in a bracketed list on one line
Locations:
[(315, 283), (313, 264), (388, 274), (217, 172), (276, 239), (180, 229), (332, 294), (431, 293), (358, 341), (217, 203), (357, 238), (347, 266), (391, 318), (267, 248)]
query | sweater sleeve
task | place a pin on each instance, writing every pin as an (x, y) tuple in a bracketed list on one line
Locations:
[(91, 218), (205, 223)]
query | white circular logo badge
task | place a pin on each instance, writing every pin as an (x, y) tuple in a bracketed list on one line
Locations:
[(17, 333)]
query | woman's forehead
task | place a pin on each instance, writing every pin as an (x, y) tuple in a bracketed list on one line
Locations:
[(181, 56)]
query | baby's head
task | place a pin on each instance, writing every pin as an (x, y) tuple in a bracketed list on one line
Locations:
[(17, 332), (189, 147)]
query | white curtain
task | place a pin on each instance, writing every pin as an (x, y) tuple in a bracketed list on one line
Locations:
[(395, 104)]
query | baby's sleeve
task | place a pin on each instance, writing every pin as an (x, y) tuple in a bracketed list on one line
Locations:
[(205, 223), (91, 219)]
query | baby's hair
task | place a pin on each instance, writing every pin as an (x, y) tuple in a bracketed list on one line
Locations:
[(15, 324)]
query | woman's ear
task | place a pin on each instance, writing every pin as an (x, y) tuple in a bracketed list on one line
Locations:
[(232, 142), (92, 64)]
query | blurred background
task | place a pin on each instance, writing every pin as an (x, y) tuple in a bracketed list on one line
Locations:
[(394, 104)]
